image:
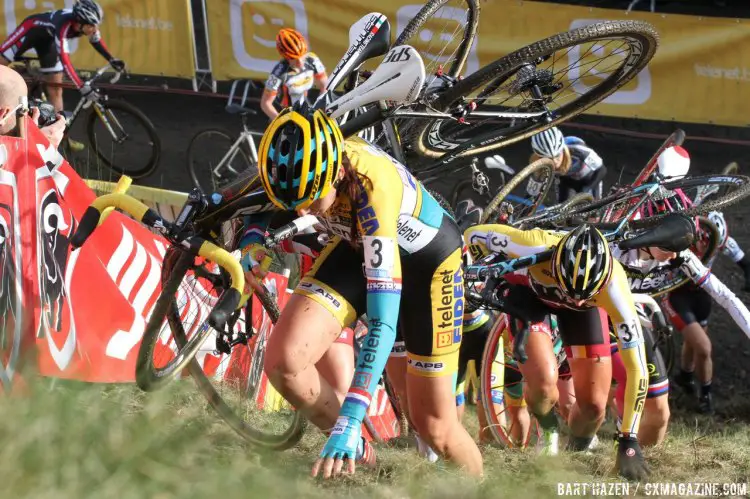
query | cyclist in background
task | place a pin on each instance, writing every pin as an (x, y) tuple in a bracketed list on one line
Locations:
[(689, 308), (579, 168), (294, 75), (48, 34), (730, 248)]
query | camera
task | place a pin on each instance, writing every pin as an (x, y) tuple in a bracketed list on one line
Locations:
[(47, 114)]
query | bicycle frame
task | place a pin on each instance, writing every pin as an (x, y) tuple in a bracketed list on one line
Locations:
[(86, 102)]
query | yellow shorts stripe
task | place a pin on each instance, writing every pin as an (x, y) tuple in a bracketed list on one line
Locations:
[(337, 305)]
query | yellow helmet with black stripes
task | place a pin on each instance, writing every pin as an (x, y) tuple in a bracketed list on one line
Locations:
[(582, 263), (299, 157)]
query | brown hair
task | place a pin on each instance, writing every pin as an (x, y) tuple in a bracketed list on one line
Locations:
[(352, 185)]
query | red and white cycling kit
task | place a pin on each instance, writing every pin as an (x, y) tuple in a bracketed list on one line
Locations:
[(639, 262), (48, 33)]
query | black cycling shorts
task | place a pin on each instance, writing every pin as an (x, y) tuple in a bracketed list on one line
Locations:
[(338, 283), (26, 37), (687, 305), (658, 377), (584, 332)]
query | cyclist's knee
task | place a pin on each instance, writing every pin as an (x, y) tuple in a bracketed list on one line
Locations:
[(656, 413), (592, 409), (437, 431), (542, 395)]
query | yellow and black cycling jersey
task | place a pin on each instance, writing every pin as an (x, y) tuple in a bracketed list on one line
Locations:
[(615, 299), (410, 249)]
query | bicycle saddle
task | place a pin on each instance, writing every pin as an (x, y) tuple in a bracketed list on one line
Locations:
[(238, 109), (497, 162), (676, 232)]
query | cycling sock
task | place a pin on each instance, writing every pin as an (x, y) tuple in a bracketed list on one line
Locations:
[(705, 389), (547, 421)]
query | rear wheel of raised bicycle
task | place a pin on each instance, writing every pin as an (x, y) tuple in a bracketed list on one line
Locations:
[(123, 138), (520, 204), (509, 422), (596, 60), (211, 161), (443, 31)]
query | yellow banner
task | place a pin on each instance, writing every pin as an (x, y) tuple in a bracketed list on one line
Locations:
[(154, 37), (701, 71)]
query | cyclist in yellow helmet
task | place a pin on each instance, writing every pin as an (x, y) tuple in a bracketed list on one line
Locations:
[(585, 287), (395, 255), (294, 75)]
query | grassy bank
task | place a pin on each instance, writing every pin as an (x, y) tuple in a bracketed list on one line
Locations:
[(76, 441)]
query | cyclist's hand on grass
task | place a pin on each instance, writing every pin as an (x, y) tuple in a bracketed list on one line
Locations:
[(117, 64), (630, 462), (340, 449), (252, 255)]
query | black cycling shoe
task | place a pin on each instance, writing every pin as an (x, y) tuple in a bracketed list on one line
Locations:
[(686, 382), (706, 404)]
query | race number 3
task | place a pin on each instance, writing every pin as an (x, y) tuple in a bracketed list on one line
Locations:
[(379, 254)]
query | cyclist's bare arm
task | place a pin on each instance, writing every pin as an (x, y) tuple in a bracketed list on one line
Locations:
[(266, 104)]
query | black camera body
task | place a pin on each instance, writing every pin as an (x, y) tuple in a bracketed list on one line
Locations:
[(47, 114)]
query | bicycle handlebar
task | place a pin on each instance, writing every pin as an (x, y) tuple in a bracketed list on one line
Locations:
[(277, 236), (228, 302)]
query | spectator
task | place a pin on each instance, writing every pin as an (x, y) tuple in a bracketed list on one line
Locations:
[(12, 88)]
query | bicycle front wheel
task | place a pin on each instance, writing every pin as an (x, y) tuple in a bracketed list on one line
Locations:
[(501, 385), (543, 85), (123, 138), (212, 161)]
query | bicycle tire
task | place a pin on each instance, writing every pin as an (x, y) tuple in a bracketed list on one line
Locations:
[(148, 377), (458, 62), (195, 148), (668, 347), (740, 185), (486, 385), (542, 165), (281, 441), (142, 119), (638, 33)]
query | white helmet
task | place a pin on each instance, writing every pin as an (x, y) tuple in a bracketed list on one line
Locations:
[(549, 143), (673, 162), (717, 218), (88, 12)]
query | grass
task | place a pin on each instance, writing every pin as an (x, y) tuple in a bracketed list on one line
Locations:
[(78, 440)]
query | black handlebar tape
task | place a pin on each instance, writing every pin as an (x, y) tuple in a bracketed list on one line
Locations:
[(520, 338), (659, 321), (280, 234), (226, 305), (87, 225), (152, 218), (360, 122)]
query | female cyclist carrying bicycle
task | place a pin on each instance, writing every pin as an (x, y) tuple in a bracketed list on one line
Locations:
[(294, 75), (384, 222)]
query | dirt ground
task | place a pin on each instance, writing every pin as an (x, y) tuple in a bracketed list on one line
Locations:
[(179, 117)]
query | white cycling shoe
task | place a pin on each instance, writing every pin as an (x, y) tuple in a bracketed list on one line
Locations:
[(425, 450)]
